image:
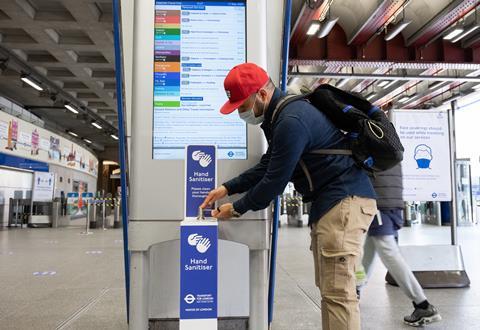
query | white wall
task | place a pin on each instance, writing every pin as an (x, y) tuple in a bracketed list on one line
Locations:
[(467, 119), (83, 168), (274, 38), (12, 181), (72, 175)]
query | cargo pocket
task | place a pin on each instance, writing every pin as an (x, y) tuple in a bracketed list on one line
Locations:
[(368, 213), (337, 276)]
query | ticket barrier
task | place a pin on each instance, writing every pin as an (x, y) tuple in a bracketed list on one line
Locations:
[(18, 211), (99, 209)]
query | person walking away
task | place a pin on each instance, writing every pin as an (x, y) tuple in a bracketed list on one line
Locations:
[(382, 239)]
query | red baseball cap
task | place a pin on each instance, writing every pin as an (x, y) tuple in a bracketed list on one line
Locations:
[(241, 82)]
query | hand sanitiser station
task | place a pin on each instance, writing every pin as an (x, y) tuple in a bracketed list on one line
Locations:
[(198, 244), (182, 50)]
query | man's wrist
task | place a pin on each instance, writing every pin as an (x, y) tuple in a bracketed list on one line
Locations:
[(240, 207), (228, 187), (234, 213)]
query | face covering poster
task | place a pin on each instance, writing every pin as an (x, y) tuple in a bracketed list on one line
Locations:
[(426, 160)]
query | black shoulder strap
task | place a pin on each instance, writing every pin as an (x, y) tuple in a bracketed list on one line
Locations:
[(284, 102)]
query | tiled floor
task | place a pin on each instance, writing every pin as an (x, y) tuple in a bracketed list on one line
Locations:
[(85, 290), (84, 287), (382, 306)]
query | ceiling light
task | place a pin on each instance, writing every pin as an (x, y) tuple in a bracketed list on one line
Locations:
[(87, 140), (453, 33), (327, 26), (390, 84), (404, 99), (114, 136), (292, 81), (475, 87), (407, 98), (342, 82), (396, 30), (31, 82), (383, 83), (370, 96), (437, 84), (72, 133), (97, 125), (466, 33), (72, 109), (313, 28), (109, 162)]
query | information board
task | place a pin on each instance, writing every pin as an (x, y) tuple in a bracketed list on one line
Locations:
[(426, 160), (196, 44), (43, 185)]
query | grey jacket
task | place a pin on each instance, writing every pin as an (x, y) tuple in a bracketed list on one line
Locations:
[(389, 187)]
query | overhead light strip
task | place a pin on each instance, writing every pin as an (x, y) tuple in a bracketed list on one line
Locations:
[(96, 125), (32, 83), (313, 28), (466, 33), (383, 83), (452, 34), (341, 83), (396, 30), (70, 108), (327, 26)]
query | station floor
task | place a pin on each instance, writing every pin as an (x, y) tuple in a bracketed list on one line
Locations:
[(59, 279)]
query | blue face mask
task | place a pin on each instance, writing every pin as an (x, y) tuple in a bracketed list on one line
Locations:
[(249, 116)]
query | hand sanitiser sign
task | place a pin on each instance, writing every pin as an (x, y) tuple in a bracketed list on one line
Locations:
[(198, 274), (198, 244)]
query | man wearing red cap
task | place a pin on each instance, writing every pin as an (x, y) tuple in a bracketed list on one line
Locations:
[(341, 193)]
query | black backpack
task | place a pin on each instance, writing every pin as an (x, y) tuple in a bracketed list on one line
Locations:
[(375, 145)]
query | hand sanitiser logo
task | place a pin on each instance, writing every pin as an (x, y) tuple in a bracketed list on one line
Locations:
[(202, 158), (201, 243)]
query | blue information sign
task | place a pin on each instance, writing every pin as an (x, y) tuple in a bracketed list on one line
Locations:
[(198, 272), (200, 176)]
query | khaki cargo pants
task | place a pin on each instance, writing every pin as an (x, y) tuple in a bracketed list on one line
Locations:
[(336, 244)]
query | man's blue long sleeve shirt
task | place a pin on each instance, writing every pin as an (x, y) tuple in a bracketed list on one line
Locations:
[(300, 128)]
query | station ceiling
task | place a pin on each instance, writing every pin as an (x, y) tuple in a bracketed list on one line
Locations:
[(66, 46), (422, 66)]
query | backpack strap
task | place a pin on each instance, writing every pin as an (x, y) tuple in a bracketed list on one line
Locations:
[(284, 102), (304, 167), (307, 174), (280, 106)]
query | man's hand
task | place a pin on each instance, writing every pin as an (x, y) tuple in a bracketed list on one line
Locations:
[(223, 212), (214, 196)]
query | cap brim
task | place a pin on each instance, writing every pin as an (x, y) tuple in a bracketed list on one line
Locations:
[(230, 107)]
